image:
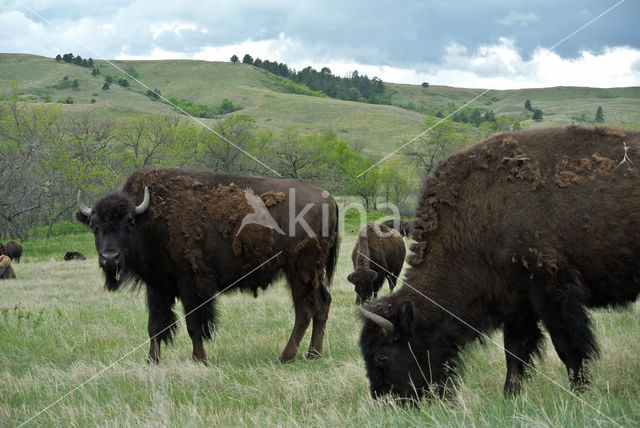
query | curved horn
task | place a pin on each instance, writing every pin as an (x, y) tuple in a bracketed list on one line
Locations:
[(85, 210), (145, 202), (386, 325)]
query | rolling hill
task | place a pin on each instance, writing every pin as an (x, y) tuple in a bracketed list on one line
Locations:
[(261, 96)]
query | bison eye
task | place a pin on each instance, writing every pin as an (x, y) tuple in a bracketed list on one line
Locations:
[(380, 359)]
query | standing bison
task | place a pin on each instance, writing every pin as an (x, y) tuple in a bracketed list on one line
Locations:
[(14, 250), (516, 229), (187, 240), (378, 254)]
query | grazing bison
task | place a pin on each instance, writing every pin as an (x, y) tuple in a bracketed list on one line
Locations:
[(187, 240), (402, 226), (6, 271), (74, 255), (516, 229), (14, 250), (378, 254)]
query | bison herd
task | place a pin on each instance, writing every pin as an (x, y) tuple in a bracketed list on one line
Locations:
[(515, 232)]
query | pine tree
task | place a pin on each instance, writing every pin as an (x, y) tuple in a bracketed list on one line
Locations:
[(537, 115), (599, 115)]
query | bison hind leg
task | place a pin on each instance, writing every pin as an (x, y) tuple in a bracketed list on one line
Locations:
[(311, 301), (322, 302), (570, 330)]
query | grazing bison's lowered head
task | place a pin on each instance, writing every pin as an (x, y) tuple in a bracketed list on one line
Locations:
[(394, 354), (113, 220), (363, 280)]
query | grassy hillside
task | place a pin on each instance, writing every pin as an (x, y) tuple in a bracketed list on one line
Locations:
[(560, 105), (376, 128), (63, 337)]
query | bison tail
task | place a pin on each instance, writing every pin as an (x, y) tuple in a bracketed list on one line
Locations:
[(332, 260)]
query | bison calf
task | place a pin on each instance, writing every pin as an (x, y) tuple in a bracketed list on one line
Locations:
[(378, 254), (515, 231)]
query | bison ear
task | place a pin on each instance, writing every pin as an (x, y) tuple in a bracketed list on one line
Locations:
[(82, 218), (405, 319), (351, 277)]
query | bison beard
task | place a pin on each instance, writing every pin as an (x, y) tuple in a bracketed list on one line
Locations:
[(517, 230), (186, 241)]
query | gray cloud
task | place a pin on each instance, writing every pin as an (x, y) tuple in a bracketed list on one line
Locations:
[(413, 34)]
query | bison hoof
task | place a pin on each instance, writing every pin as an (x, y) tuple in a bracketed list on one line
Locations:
[(151, 360), (313, 354), (287, 358)]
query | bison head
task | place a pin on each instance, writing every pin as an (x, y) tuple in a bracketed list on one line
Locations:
[(363, 280), (114, 220), (398, 361)]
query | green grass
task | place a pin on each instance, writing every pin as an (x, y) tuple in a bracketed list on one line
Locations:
[(63, 337)]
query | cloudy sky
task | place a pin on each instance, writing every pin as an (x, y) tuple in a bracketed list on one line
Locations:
[(481, 44)]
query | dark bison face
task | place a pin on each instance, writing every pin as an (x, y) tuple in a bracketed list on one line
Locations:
[(363, 280), (114, 220), (397, 361)]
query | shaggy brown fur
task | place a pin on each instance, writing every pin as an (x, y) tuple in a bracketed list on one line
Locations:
[(519, 228), (14, 250), (378, 254), (194, 241), (6, 271)]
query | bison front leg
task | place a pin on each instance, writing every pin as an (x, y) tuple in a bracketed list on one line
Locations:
[(522, 338), (198, 302), (162, 322)]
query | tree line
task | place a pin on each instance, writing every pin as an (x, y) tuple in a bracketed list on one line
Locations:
[(355, 87), (46, 155)]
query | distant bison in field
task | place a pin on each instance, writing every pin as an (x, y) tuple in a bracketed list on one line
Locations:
[(14, 250), (189, 240), (74, 255), (516, 229), (6, 271), (378, 254)]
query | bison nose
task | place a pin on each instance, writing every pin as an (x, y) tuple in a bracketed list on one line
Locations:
[(110, 257)]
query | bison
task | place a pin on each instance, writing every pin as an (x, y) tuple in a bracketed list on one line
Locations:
[(402, 226), (14, 250), (187, 241), (74, 255), (516, 229), (378, 254), (6, 271)]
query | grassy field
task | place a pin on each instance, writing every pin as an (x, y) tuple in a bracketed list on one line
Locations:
[(377, 129), (72, 354)]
